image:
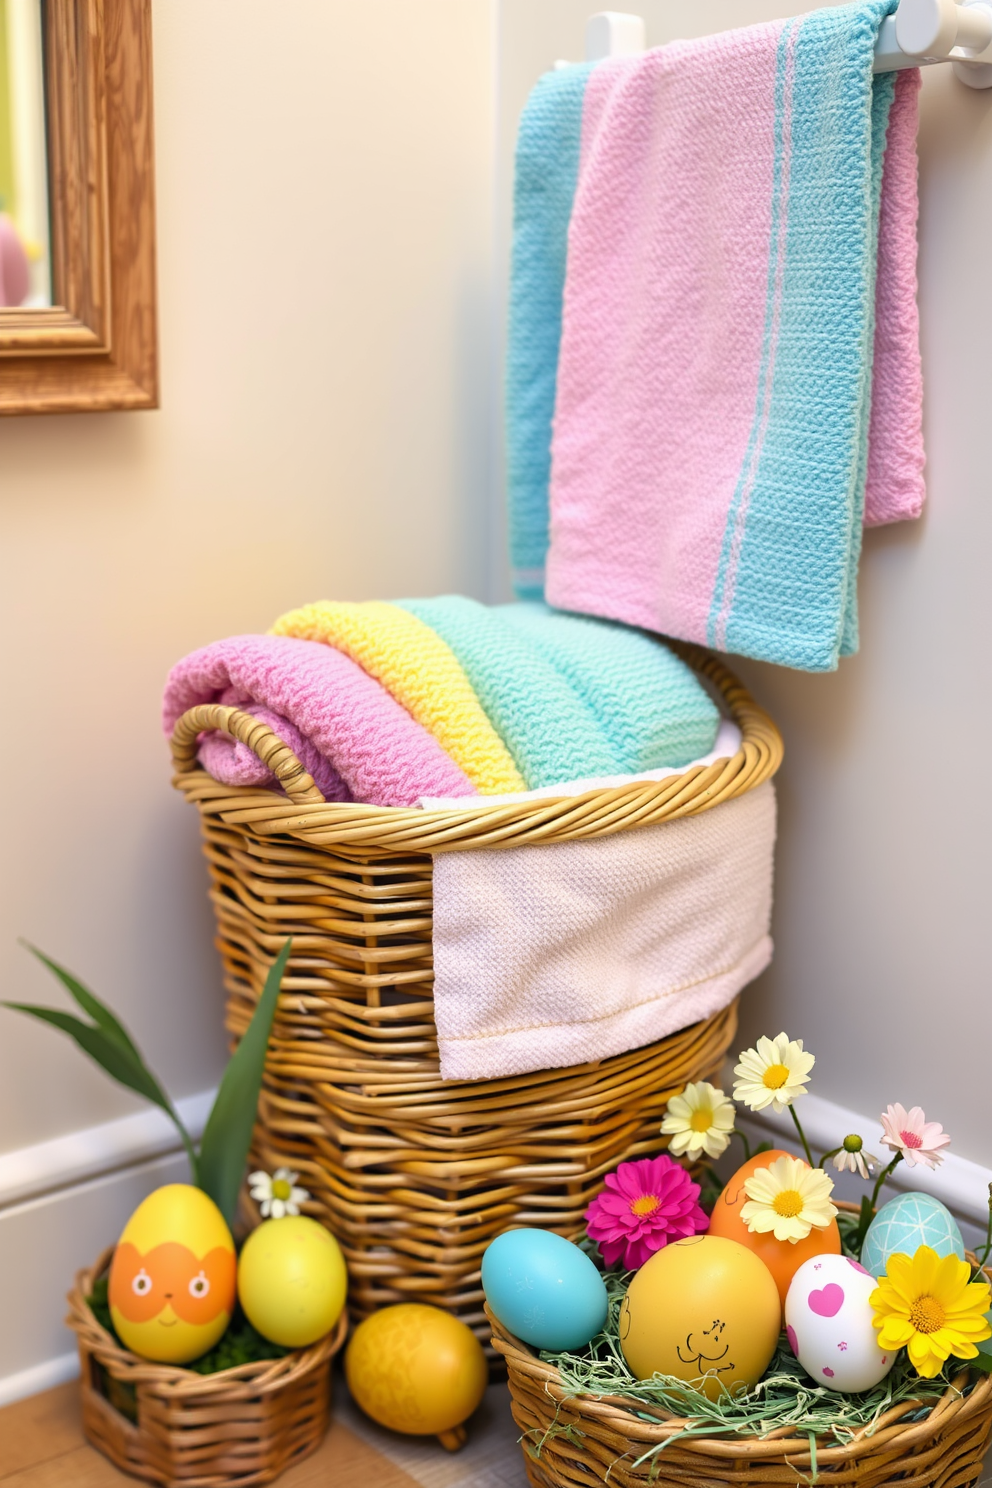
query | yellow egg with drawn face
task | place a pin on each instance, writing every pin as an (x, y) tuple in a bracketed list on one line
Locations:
[(173, 1276), (705, 1310)]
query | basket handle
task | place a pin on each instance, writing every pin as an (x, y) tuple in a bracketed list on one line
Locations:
[(255, 735)]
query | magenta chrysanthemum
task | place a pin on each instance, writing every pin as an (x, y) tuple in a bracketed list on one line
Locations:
[(644, 1205)]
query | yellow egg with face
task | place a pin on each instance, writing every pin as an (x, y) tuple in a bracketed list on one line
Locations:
[(173, 1276), (705, 1310)]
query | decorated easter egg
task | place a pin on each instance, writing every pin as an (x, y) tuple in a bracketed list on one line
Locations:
[(416, 1369), (904, 1224), (172, 1278), (544, 1289), (292, 1280), (703, 1309), (828, 1319), (782, 1257)]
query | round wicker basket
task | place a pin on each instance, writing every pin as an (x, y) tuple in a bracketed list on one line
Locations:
[(413, 1174), (575, 1441), (175, 1427)]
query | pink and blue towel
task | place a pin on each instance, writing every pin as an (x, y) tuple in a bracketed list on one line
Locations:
[(738, 385)]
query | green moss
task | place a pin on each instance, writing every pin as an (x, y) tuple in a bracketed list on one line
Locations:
[(241, 1344)]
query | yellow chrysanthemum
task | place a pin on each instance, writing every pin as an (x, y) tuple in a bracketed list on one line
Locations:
[(930, 1306), (699, 1120), (789, 1198), (773, 1074)]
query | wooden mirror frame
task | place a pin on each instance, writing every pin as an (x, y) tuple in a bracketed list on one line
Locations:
[(96, 347)]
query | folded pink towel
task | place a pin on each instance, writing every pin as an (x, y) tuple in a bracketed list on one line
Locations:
[(354, 738), (729, 379)]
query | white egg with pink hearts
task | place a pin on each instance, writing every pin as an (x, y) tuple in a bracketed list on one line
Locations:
[(828, 1319)]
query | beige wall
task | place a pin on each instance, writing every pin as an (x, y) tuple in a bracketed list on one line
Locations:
[(882, 915), (324, 232)]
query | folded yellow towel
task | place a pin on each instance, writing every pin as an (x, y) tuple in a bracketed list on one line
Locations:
[(423, 674)]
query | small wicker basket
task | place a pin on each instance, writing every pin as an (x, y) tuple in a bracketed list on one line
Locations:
[(576, 1441), (186, 1430), (413, 1174)]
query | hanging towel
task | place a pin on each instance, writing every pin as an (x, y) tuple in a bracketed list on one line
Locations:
[(573, 697), (717, 420), (369, 742), (559, 954), (422, 673), (547, 163)]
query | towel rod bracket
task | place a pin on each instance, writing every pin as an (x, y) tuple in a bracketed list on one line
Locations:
[(921, 32)]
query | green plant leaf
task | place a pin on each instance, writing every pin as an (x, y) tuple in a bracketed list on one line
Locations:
[(122, 1063), (98, 1011), (227, 1137)]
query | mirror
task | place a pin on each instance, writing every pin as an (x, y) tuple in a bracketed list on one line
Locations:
[(25, 255), (77, 227)]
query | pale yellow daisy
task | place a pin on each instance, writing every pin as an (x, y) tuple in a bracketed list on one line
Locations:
[(699, 1120), (773, 1074), (789, 1198)]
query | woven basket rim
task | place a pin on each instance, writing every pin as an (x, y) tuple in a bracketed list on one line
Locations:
[(626, 1415), (259, 1377), (303, 814)]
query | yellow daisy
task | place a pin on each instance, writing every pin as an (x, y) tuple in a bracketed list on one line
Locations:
[(773, 1074), (930, 1306), (789, 1198), (699, 1120)]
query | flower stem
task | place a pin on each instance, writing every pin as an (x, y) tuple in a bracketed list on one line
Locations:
[(747, 1144), (988, 1236), (868, 1209), (828, 1155), (802, 1136), (880, 1180)]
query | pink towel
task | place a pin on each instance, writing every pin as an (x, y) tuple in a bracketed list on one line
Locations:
[(719, 437), (354, 738)]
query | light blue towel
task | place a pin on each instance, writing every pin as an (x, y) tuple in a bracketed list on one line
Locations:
[(547, 163), (573, 697), (650, 704)]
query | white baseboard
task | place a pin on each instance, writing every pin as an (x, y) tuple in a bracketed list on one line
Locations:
[(39, 1377), (78, 1156), (959, 1183)]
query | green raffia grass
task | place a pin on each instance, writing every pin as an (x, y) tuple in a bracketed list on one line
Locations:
[(240, 1344), (786, 1396)]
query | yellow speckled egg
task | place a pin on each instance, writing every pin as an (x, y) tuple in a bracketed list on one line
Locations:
[(705, 1310), (292, 1280), (172, 1278), (416, 1369)]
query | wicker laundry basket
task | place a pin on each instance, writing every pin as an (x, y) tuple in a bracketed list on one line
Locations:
[(186, 1430), (578, 1441), (413, 1174)]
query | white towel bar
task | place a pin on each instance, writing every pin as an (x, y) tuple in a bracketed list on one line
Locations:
[(920, 33)]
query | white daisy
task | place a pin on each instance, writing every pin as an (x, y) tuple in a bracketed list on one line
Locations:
[(773, 1074), (277, 1195), (852, 1158), (789, 1198), (699, 1120)]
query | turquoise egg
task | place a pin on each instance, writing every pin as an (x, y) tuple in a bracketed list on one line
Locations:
[(544, 1289), (904, 1224)]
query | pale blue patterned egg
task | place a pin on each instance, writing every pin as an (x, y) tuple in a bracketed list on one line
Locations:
[(904, 1224), (544, 1289)]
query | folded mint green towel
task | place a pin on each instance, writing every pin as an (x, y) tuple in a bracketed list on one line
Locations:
[(573, 697), (651, 705)]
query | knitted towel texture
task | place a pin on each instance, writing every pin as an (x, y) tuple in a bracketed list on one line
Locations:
[(573, 697), (371, 748), (562, 953), (414, 664), (738, 386), (546, 168)]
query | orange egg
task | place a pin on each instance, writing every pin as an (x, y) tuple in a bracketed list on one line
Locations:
[(782, 1257)]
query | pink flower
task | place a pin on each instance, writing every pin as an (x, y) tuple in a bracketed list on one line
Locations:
[(644, 1205), (910, 1133)]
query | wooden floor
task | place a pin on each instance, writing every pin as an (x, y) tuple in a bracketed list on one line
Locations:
[(42, 1446)]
